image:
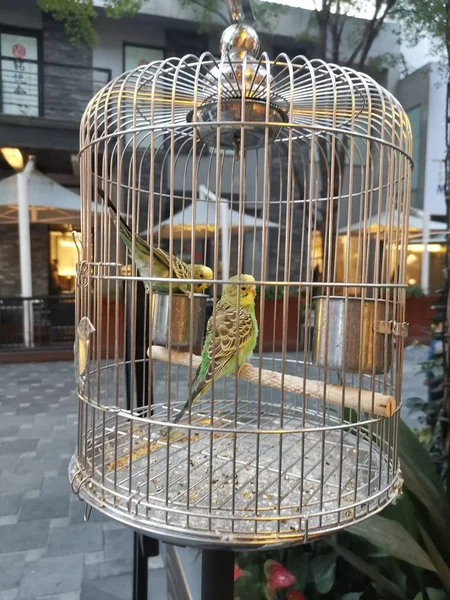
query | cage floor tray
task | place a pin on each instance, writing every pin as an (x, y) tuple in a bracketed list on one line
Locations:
[(248, 482)]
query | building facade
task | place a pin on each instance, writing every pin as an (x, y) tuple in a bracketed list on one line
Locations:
[(47, 81), (423, 94)]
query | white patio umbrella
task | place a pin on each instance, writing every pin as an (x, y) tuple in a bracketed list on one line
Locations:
[(420, 225), (48, 202), (205, 222), (416, 223), (32, 197)]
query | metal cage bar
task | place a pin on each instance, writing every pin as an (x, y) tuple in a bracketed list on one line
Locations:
[(297, 173)]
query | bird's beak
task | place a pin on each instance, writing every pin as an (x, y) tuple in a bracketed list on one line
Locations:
[(253, 290)]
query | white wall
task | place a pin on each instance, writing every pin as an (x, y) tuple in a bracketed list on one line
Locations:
[(112, 33), (418, 55), (434, 195)]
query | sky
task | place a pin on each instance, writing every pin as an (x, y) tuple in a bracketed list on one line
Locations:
[(361, 12), (415, 57)]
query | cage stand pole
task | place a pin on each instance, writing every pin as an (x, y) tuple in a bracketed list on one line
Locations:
[(217, 575), (143, 546)]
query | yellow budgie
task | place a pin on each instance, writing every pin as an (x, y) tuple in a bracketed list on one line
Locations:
[(161, 262), (226, 347)]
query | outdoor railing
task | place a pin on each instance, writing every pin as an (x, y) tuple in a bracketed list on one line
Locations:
[(37, 322)]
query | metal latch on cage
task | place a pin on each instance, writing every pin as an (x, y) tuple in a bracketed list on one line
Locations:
[(392, 327)]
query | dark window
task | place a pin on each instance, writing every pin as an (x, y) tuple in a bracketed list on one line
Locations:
[(180, 43), (136, 56)]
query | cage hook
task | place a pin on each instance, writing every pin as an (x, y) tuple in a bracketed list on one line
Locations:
[(72, 482), (76, 237), (87, 512), (240, 14)]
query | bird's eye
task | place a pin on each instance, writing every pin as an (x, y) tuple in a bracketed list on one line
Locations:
[(201, 275), (243, 288)]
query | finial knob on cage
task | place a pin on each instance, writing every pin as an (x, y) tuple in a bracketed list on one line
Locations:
[(240, 75), (238, 39)]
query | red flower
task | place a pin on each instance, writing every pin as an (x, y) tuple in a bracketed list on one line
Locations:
[(277, 576), (237, 571), (19, 51), (294, 595)]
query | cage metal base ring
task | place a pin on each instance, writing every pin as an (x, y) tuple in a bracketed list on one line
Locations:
[(213, 502)]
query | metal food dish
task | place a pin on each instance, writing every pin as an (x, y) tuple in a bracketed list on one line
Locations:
[(178, 320), (347, 335)]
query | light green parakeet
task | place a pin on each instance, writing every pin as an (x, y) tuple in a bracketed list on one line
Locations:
[(161, 262), (225, 348)]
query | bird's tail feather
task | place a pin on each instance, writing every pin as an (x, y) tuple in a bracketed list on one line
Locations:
[(126, 234), (197, 391)]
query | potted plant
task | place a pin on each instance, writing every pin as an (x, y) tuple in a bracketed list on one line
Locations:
[(401, 553)]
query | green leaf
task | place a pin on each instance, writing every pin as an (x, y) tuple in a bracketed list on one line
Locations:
[(433, 594), (405, 513), (419, 474), (441, 566), (78, 15), (383, 584), (421, 481), (412, 453), (447, 485), (414, 410), (394, 539), (376, 552), (414, 401), (269, 594), (298, 565), (425, 435), (323, 567), (414, 404), (352, 596), (393, 571)]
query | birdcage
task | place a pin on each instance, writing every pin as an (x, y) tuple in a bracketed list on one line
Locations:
[(295, 172)]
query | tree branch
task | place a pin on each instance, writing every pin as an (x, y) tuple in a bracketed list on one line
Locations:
[(375, 31), (207, 8), (371, 30), (335, 34), (367, 32)]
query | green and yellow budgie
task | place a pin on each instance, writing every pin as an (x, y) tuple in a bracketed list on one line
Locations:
[(230, 337), (161, 262)]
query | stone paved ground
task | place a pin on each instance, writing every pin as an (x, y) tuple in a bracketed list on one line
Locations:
[(46, 549)]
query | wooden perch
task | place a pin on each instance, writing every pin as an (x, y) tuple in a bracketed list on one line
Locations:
[(383, 405)]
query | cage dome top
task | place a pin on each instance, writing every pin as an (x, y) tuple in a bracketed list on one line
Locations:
[(282, 98)]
